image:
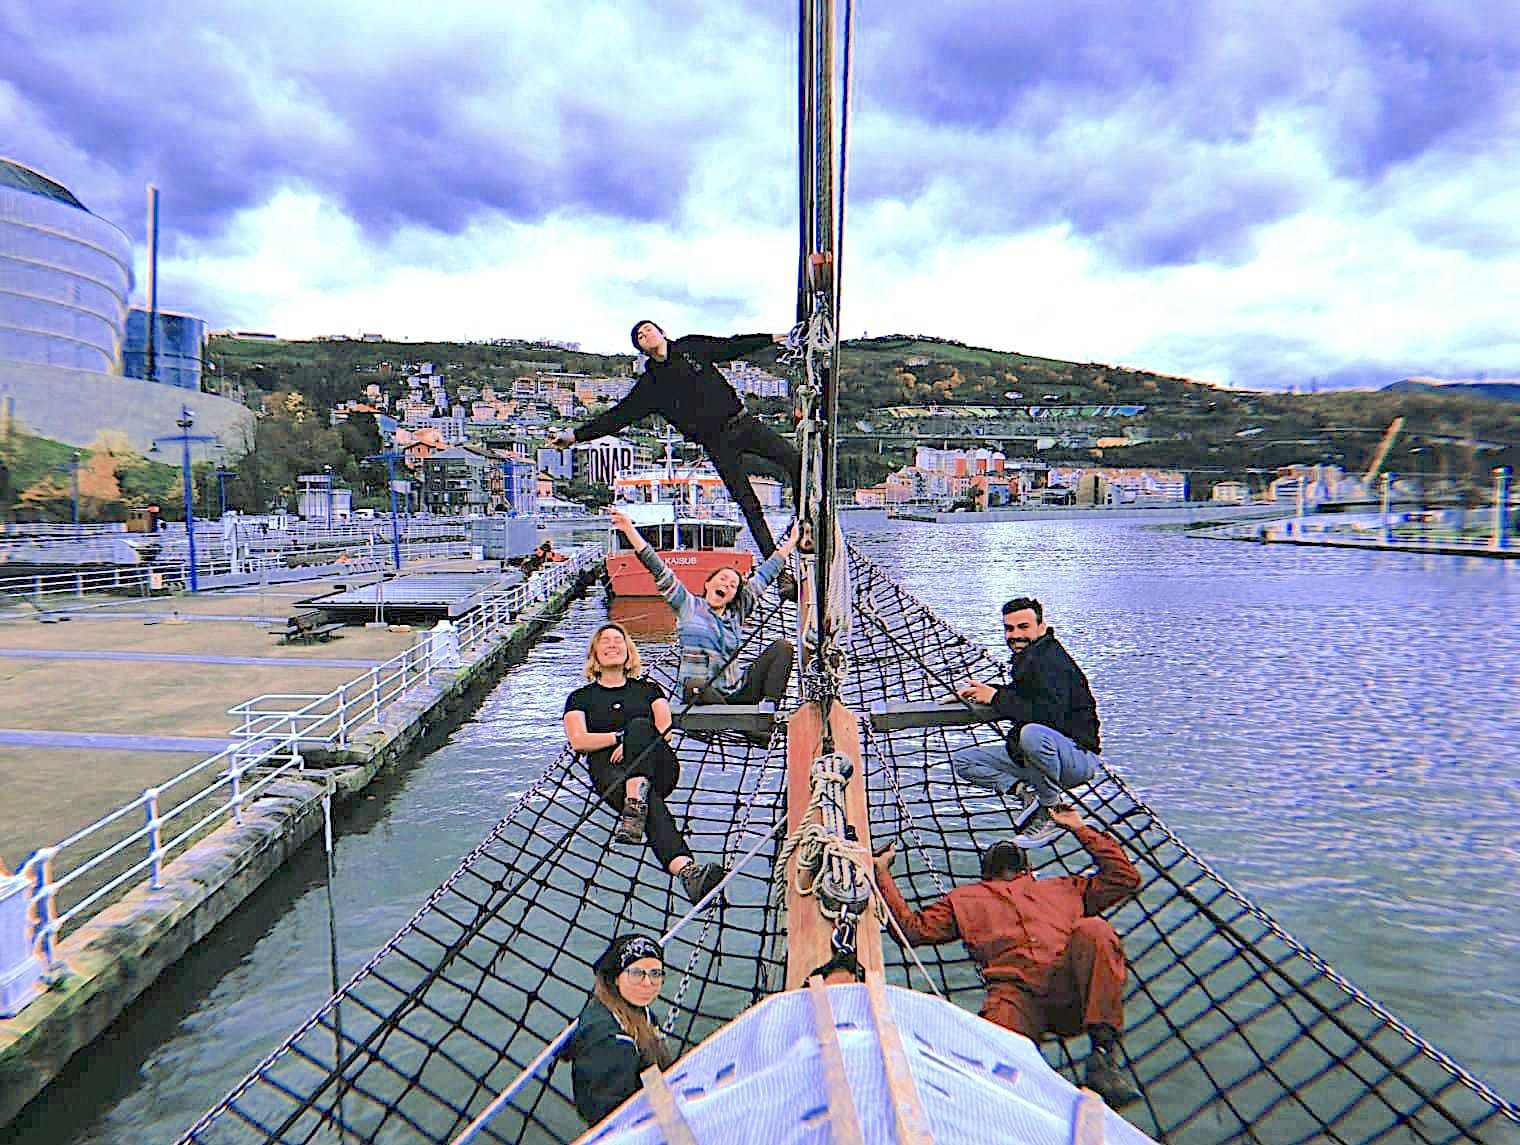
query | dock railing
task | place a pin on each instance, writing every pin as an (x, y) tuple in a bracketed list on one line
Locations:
[(75, 878)]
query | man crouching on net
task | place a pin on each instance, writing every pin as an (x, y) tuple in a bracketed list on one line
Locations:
[(1050, 964), (1054, 744)]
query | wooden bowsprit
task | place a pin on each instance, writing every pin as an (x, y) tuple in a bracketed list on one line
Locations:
[(836, 816)]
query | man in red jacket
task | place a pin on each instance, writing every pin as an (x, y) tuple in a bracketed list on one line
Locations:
[(1049, 963)]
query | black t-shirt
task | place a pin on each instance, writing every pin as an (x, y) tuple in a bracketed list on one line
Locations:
[(610, 709)]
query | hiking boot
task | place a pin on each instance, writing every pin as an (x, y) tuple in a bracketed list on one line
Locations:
[(700, 878), (786, 585), (630, 828), (1105, 1078), (1038, 829)]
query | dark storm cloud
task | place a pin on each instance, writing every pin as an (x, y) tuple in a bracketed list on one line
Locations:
[(220, 108), (1167, 133)]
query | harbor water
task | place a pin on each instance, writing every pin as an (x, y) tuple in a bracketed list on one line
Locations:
[(1334, 731)]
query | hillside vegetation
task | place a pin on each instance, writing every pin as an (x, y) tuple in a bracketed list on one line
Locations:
[(1214, 434)]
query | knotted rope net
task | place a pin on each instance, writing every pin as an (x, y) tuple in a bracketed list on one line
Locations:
[(1235, 1032)]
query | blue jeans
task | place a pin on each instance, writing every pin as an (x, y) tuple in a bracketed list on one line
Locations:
[(1047, 760)]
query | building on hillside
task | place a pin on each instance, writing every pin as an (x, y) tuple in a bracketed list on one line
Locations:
[(513, 485), (1121, 486), (594, 390), (419, 445), (1231, 493), (456, 481), (748, 379)]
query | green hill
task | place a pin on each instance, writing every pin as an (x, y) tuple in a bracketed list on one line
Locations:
[(1213, 433)]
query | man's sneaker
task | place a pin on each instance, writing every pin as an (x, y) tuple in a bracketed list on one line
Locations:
[(1038, 829), (1023, 797), (786, 585), (1105, 1078), (699, 878), (630, 828)]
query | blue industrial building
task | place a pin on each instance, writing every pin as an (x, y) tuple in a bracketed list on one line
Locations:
[(178, 348)]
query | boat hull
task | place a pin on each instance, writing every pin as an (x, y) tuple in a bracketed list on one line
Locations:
[(627, 576)]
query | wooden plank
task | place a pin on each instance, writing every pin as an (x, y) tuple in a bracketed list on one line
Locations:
[(724, 717), (912, 1121), (808, 932), (900, 715), (1087, 1126), (844, 1122), (662, 1103)]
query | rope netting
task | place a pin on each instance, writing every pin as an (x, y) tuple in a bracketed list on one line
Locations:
[(1235, 1031)]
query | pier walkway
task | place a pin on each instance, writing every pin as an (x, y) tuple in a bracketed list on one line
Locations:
[(127, 694)]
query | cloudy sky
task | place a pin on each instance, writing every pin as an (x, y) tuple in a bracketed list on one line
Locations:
[(1257, 192)]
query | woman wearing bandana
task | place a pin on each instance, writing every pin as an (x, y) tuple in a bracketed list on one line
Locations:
[(616, 1039)]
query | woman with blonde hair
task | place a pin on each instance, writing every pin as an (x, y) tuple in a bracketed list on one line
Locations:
[(616, 1039), (620, 721)]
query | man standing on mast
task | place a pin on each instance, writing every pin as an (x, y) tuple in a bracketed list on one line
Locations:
[(681, 382), (1049, 962)]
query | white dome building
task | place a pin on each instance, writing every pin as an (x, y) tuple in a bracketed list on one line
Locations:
[(65, 275)]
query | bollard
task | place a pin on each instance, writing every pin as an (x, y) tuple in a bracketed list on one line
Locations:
[(443, 645), (1500, 536), (20, 969)]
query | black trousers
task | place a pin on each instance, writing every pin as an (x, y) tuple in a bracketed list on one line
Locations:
[(646, 755), (766, 677), (742, 447)]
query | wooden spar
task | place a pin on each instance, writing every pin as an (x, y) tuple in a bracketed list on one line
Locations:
[(908, 1111), (807, 931), (667, 1114), (844, 1122)]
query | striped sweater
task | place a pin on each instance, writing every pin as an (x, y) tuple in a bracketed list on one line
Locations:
[(709, 640)]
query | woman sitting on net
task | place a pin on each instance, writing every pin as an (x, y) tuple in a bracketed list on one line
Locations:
[(619, 721), (616, 1039), (710, 627)]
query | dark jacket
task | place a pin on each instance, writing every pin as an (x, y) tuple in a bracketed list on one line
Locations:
[(1017, 929), (686, 389), (1048, 688), (605, 1063)]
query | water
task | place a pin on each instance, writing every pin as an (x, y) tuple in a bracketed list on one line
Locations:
[(1334, 730)]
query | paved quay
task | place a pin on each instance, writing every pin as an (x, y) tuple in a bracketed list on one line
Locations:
[(168, 668), (94, 710)]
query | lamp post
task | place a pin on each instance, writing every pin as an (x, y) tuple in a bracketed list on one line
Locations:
[(186, 438), (390, 458), (72, 465)]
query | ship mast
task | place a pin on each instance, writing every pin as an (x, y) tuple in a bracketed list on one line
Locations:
[(831, 931)]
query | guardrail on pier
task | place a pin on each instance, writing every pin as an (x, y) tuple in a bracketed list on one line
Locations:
[(76, 877)]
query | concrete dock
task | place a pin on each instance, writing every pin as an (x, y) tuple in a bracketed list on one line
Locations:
[(103, 699)]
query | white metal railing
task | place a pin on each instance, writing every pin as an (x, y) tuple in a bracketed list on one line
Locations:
[(110, 856), (172, 565)]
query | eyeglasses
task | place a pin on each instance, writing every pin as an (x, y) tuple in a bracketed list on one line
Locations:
[(639, 974)]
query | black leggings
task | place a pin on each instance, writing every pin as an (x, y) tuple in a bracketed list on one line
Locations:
[(745, 446), (767, 675), (646, 754)]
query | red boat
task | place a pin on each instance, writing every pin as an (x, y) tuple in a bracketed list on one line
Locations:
[(693, 547)]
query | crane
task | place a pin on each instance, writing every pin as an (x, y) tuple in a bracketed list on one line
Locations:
[(1381, 455)]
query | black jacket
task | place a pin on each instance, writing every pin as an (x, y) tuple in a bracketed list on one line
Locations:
[(1048, 688), (686, 388), (605, 1063)]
